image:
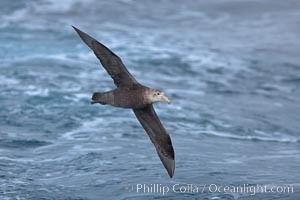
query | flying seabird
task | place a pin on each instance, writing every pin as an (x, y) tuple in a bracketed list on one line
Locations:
[(131, 94)]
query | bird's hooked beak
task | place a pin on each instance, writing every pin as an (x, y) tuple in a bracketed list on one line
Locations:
[(166, 99)]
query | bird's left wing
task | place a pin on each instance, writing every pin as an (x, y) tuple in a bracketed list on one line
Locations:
[(110, 61), (158, 135)]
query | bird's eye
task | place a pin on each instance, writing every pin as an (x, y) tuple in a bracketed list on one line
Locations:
[(157, 93)]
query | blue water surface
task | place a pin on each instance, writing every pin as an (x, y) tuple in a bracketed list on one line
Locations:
[(230, 67)]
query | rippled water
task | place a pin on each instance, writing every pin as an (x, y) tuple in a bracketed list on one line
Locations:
[(231, 69)]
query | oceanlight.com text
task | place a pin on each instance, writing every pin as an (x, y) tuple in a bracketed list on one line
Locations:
[(250, 189)]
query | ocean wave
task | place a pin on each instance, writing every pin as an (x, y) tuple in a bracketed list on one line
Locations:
[(84, 148), (100, 127), (70, 58), (4, 80), (86, 126), (35, 91), (32, 15), (18, 143), (282, 138), (56, 6)]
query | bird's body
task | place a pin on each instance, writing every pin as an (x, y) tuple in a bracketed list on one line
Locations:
[(131, 94), (134, 97)]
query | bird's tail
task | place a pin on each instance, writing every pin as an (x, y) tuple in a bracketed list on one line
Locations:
[(99, 97)]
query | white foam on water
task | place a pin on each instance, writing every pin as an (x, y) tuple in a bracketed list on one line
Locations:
[(36, 91), (86, 126), (22, 160), (211, 60), (280, 138), (35, 14), (15, 16), (58, 6), (81, 148), (30, 57), (8, 81), (84, 96)]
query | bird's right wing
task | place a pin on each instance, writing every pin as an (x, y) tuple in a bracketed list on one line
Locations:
[(110, 61), (158, 135)]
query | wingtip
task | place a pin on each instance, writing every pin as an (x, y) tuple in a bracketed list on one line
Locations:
[(169, 164), (171, 168), (76, 29), (85, 37)]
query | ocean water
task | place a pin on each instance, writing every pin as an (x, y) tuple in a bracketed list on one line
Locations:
[(230, 67)]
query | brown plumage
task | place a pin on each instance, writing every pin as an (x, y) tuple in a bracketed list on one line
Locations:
[(131, 94)]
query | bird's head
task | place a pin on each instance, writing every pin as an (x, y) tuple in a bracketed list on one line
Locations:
[(157, 95)]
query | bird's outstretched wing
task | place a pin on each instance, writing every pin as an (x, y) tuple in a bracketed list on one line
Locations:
[(158, 135), (110, 61)]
